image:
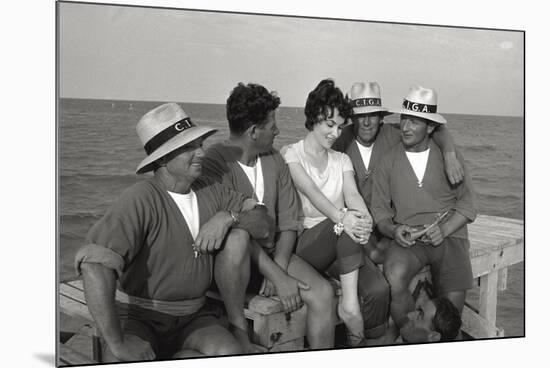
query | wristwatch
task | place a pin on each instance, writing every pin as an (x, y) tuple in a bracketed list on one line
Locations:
[(234, 216)]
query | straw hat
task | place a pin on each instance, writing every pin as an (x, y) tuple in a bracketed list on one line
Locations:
[(165, 129), (365, 98), (421, 102)]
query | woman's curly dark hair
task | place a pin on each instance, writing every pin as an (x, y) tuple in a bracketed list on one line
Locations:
[(322, 101), (249, 105)]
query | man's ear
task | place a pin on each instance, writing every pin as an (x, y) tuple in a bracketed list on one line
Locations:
[(434, 336), (252, 132), (430, 128)]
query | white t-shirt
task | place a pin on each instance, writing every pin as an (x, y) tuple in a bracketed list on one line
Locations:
[(419, 161), (366, 153), (256, 177), (330, 181), (189, 207)]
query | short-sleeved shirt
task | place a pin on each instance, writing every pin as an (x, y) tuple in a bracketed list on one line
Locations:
[(145, 238), (388, 136), (330, 181), (221, 162), (398, 195)]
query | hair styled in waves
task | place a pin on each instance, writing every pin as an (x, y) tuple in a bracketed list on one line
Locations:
[(249, 105), (322, 101)]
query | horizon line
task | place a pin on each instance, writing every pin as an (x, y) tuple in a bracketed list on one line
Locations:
[(286, 106)]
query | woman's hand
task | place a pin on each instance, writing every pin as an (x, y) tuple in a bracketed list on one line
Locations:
[(357, 225)]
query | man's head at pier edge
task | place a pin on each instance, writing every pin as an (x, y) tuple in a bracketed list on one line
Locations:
[(432, 320)]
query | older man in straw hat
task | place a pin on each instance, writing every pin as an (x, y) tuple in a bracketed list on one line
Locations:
[(156, 241), (415, 205), (366, 142)]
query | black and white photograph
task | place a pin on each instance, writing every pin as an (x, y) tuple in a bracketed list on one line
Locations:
[(235, 183), (282, 184)]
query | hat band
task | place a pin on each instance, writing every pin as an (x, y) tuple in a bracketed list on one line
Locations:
[(418, 107), (363, 102), (167, 134)]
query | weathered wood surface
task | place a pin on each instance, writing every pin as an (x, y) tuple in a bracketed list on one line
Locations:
[(495, 244), (68, 356)]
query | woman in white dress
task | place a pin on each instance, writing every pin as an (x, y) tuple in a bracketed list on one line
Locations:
[(336, 220)]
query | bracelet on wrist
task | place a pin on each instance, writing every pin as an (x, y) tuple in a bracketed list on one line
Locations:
[(235, 217), (338, 228), (342, 214)]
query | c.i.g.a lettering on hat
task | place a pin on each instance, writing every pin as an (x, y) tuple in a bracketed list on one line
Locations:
[(418, 107)]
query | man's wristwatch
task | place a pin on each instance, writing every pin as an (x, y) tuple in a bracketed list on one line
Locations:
[(234, 216)]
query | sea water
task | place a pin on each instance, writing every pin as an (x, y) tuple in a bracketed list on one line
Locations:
[(98, 152)]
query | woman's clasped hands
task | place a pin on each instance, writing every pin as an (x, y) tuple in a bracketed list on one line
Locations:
[(357, 225)]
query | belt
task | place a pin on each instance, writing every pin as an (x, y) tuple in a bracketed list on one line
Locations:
[(176, 308)]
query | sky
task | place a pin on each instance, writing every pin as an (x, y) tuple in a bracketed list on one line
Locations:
[(132, 53)]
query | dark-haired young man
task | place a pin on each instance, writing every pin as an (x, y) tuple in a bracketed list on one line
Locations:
[(248, 163), (414, 204), (434, 319)]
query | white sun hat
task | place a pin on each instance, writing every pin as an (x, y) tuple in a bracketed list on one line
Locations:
[(165, 129), (365, 98), (421, 102)]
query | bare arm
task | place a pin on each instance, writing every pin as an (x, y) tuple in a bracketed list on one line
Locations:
[(437, 234), (253, 220), (352, 197), (453, 168), (286, 286), (354, 200), (284, 248), (99, 291)]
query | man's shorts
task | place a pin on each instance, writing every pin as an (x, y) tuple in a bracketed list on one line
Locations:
[(449, 262), (166, 333)]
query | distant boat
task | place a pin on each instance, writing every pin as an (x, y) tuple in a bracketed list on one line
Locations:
[(112, 105), (131, 107)]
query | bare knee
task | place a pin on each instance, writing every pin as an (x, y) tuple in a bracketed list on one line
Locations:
[(228, 348), (320, 294), (235, 247), (397, 275)]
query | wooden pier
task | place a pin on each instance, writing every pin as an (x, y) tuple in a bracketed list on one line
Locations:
[(496, 244)]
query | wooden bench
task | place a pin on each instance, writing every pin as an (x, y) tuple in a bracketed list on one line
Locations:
[(270, 326), (496, 244)]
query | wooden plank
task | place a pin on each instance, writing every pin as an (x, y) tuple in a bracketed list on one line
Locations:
[(78, 284), (496, 260), (72, 292), (492, 242), (264, 305), (477, 327), (255, 303), (498, 219), (488, 294), (68, 356), (74, 308), (507, 229), (293, 345), (502, 279)]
